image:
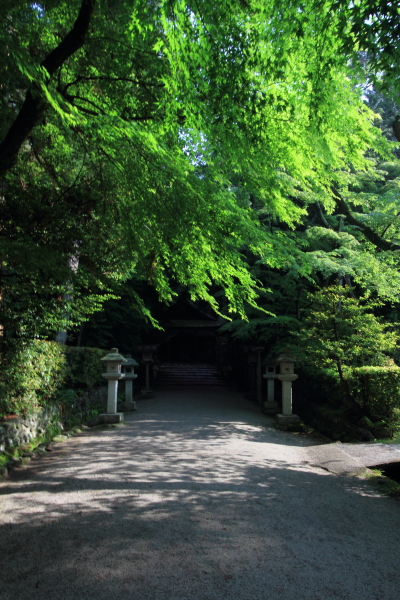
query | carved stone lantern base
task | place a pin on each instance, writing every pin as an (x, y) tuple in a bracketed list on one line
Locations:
[(125, 406), (287, 419), (111, 417)]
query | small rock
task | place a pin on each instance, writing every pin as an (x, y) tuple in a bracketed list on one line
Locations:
[(60, 438)]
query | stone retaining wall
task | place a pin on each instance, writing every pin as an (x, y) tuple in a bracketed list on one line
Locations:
[(82, 407), (17, 431)]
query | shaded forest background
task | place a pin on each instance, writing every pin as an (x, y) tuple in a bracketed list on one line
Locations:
[(245, 153)]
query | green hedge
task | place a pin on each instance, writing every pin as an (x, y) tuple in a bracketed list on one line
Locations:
[(377, 391), (319, 401), (33, 373), (30, 375), (84, 367)]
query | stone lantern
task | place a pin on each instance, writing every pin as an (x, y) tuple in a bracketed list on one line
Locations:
[(270, 406), (113, 373), (286, 375), (128, 369), (147, 357)]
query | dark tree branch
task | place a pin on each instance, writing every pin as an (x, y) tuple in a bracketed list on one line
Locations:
[(71, 99), (390, 224), (321, 214), (47, 167), (368, 233), (87, 111), (34, 106), (139, 82)]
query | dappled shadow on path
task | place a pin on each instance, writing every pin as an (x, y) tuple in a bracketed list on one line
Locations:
[(162, 508)]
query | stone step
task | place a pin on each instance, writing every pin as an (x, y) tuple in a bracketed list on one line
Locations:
[(188, 374)]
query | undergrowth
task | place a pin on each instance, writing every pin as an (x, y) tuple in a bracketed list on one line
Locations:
[(384, 484)]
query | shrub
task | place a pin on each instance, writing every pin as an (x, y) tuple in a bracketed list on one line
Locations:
[(377, 391), (35, 372), (374, 389), (84, 367), (76, 407), (30, 375), (317, 398)]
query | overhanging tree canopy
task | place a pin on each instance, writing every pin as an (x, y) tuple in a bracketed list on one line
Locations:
[(127, 125)]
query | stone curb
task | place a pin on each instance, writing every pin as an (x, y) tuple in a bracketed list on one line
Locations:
[(333, 459)]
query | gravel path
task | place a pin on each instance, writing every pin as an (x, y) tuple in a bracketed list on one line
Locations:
[(195, 497)]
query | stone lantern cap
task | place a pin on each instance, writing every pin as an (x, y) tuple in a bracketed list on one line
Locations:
[(270, 361), (285, 358), (286, 363), (113, 361), (128, 367), (113, 356), (270, 364), (130, 362)]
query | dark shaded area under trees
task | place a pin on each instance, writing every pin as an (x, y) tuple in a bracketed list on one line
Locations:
[(155, 146)]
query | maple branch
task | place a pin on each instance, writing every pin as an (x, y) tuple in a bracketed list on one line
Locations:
[(368, 233), (34, 105)]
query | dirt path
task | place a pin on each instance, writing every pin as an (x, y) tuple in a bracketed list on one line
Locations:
[(196, 497)]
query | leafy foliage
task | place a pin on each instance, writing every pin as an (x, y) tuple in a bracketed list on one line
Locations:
[(373, 26), (224, 148), (149, 135), (338, 328), (377, 391), (30, 376), (37, 372), (84, 368)]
